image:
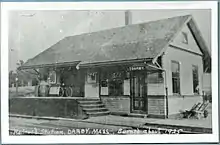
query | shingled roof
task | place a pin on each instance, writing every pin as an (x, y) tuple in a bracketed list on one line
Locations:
[(136, 41)]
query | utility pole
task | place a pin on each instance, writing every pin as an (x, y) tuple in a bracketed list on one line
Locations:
[(16, 82)]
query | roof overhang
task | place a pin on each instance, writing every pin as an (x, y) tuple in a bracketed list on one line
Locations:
[(63, 64), (79, 64), (112, 63)]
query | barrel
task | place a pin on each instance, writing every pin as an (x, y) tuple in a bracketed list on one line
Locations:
[(44, 90)]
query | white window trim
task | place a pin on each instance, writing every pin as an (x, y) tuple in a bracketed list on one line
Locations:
[(55, 77), (197, 66), (175, 61)]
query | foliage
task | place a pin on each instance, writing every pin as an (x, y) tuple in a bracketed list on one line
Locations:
[(21, 62), (23, 76), (12, 76)]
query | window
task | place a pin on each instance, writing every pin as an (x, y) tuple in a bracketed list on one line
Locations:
[(175, 67), (52, 77), (104, 79), (195, 79), (127, 75), (185, 37), (104, 83), (116, 84), (116, 87), (91, 77)]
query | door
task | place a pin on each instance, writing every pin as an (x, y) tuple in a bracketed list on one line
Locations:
[(138, 92)]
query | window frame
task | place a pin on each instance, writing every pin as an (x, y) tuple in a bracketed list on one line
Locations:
[(113, 88), (197, 71), (55, 81), (116, 83), (178, 78)]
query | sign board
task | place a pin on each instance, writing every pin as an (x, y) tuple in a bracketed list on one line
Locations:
[(137, 68), (104, 90), (116, 75), (54, 90), (126, 87)]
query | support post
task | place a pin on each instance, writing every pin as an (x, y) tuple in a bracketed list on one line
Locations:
[(166, 94), (166, 102), (99, 81), (16, 80)]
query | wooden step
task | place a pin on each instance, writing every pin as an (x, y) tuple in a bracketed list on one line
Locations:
[(95, 109), (88, 99), (92, 105), (93, 114), (90, 102)]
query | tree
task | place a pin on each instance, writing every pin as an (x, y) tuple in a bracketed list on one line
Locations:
[(12, 76), (20, 63), (25, 76), (10, 73)]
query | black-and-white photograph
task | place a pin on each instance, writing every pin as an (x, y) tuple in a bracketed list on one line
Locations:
[(110, 72)]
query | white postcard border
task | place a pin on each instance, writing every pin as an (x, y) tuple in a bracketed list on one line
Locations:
[(191, 138)]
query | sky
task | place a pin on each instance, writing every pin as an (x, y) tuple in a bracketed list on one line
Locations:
[(31, 32)]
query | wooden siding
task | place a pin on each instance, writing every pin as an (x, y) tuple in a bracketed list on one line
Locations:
[(156, 105), (156, 89), (119, 104)]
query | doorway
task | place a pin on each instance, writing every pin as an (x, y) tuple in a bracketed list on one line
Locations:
[(139, 92)]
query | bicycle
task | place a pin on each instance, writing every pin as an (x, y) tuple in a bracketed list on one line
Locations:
[(65, 91)]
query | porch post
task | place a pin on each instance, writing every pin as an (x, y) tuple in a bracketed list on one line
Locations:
[(99, 81), (131, 88), (166, 93), (146, 91)]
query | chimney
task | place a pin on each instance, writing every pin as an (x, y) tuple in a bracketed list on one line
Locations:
[(128, 17)]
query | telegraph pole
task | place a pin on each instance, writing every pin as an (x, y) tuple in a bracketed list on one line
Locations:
[(16, 82)]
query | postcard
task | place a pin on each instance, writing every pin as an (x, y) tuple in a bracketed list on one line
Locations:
[(109, 72)]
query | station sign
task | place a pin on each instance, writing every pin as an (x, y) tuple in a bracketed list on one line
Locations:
[(137, 67)]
